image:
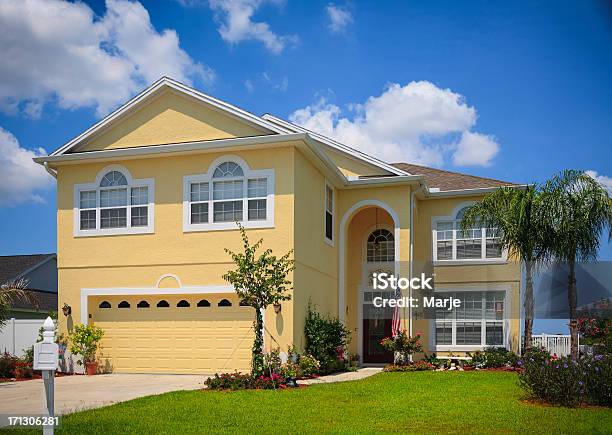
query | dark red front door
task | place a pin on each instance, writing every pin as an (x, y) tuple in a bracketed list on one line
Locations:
[(374, 330)]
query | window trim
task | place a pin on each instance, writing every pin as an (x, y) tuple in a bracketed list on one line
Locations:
[(462, 261), (326, 185), (149, 183), (207, 177), (506, 289)]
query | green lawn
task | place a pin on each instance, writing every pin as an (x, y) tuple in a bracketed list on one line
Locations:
[(431, 402)]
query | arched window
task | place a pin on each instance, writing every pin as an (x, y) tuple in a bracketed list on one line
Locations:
[(203, 303), (117, 204), (104, 304), (380, 246), (183, 304), (224, 303), (163, 304), (477, 243), (123, 304), (143, 304), (230, 192)]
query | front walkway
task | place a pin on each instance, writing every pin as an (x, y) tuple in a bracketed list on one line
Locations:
[(342, 377), (74, 393)]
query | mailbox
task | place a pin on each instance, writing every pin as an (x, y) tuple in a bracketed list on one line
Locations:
[(46, 352)]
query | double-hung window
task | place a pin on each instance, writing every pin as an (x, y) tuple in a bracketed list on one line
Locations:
[(117, 204), (229, 193), (477, 323), (451, 243)]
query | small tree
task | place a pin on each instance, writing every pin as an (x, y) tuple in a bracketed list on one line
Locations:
[(578, 211), (259, 281), (85, 340), (12, 292)]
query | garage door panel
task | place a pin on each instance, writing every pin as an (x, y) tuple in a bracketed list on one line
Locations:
[(175, 340)]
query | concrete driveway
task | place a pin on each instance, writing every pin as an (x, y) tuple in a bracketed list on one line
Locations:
[(75, 393)]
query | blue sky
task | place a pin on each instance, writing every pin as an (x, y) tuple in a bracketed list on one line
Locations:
[(527, 84)]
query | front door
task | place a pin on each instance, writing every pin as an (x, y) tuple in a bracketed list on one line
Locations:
[(374, 330)]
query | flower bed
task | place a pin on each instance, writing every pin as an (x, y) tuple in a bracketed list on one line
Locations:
[(417, 366)]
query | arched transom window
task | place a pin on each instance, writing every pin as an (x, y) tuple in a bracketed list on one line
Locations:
[(114, 205), (380, 246), (478, 243), (230, 193)]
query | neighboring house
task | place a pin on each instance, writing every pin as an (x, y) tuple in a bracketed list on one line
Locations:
[(148, 199), (40, 273)]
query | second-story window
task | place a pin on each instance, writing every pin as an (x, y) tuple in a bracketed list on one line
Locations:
[(452, 243), (116, 204), (230, 192)]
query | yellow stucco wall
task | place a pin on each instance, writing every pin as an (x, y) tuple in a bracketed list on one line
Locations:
[(351, 167), (170, 118)]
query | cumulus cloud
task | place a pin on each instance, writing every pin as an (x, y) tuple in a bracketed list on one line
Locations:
[(418, 123), (21, 180), (604, 180), (339, 17), (236, 24), (60, 51)]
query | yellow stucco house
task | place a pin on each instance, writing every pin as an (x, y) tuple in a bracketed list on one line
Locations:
[(148, 198)]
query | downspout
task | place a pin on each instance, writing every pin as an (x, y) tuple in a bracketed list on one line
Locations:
[(410, 272), (49, 170)]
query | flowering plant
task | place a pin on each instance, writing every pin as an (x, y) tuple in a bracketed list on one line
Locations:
[(402, 345)]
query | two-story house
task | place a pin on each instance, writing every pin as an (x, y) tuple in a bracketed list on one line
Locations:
[(148, 199)]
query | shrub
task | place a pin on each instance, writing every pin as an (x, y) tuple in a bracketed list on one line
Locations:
[(7, 365), (494, 357), (563, 381), (326, 340), (240, 381), (23, 370), (433, 360), (418, 366), (309, 366), (402, 345), (85, 340), (272, 362)]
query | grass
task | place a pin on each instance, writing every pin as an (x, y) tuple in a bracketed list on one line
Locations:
[(421, 402)]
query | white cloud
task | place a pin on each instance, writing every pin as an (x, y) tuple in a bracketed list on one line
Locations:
[(20, 178), (418, 123), (339, 17), (58, 50), (236, 24), (475, 149), (604, 180)]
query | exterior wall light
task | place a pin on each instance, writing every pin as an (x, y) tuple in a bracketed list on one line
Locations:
[(66, 309), (277, 307)]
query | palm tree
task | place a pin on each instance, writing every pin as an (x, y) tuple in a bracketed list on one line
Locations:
[(11, 292), (578, 209), (517, 214)]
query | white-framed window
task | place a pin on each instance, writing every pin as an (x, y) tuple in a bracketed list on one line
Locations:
[(479, 322), (229, 192), (380, 246), (114, 204), (451, 244), (329, 213)]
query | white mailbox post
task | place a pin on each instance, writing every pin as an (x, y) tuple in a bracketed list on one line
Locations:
[(45, 359)]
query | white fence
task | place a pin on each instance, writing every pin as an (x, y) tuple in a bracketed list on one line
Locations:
[(559, 344), (19, 334)]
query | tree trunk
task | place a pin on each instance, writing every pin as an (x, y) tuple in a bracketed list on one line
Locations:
[(528, 305), (572, 299), (257, 359)]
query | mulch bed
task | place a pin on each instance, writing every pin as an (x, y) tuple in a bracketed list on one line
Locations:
[(37, 376)]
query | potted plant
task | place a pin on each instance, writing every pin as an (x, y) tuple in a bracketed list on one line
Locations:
[(85, 340), (468, 366)]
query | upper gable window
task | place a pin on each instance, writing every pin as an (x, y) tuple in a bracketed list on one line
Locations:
[(474, 244), (116, 204), (230, 192)]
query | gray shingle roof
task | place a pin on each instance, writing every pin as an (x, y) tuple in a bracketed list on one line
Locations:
[(11, 266)]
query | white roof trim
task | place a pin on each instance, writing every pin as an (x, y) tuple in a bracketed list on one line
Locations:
[(335, 144), (166, 82)]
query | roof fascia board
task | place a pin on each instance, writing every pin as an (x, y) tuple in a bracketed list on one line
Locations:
[(468, 192), (155, 87), (348, 151)]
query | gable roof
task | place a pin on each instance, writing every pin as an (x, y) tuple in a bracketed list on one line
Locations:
[(13, 267), (450, 181), (344, 149), (162, 84)]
